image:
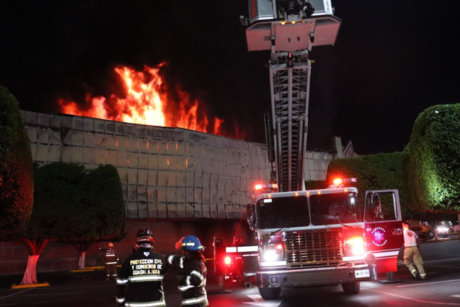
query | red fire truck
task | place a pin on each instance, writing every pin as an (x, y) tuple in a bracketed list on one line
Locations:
[(309, 237), (324, 237)]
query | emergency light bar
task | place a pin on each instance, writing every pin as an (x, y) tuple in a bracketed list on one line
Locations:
[(241, 249), (272, 187), (339, 182)]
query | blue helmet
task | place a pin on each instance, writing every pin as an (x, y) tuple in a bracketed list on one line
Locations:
[(192, 243)]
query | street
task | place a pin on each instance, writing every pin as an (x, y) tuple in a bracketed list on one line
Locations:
[(442, 263)]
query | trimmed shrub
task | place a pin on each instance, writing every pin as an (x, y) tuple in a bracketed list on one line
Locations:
[(75, 204), (16, 171), (432, 161), (373, 172)]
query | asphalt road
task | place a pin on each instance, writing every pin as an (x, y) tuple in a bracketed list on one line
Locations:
[(442, 263)]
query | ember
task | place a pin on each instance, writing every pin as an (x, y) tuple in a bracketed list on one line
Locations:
[(147, 101)]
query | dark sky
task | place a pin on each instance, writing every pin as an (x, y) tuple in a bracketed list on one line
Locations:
[(392, 60)]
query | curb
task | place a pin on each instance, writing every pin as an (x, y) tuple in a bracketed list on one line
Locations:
[(44, 284)]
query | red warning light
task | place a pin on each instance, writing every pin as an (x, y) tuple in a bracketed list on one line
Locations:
[(227, 260), (337, 181)]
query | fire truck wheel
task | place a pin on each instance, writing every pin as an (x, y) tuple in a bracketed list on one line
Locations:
[(270, 293), (351, 287)]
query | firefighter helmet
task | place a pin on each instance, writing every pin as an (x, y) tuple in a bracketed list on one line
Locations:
[(192, 243), (110, 244), (144, 235)]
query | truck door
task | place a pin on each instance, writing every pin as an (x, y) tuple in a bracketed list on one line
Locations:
[(382, 228)]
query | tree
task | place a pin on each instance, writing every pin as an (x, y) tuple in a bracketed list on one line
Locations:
[(432, 160), (16, 179), (75, 205), (373, 172), (104, 192)]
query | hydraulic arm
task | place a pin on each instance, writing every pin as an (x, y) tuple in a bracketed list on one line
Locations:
[(289, 29)]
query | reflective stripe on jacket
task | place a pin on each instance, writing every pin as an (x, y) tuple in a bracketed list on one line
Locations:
[(192, 280)]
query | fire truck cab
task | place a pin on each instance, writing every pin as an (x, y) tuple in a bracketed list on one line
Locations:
[(324, 237)]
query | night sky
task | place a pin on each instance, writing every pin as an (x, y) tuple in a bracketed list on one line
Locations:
[(392, 60)]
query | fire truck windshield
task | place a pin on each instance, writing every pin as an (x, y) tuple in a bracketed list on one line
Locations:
[(283, 212), (333, 208)]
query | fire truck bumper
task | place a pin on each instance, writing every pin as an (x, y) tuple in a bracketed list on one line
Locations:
[(314, 277)]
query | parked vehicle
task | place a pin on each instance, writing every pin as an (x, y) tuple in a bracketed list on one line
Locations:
[(422, 228), (444, 228)]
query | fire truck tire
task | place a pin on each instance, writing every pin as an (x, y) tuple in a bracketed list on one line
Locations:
[(270, 293), (351, 287)]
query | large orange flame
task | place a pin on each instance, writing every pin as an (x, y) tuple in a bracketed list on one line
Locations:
[(147, 102)]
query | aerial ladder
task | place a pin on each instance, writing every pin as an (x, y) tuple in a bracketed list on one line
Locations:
[(289, 29)]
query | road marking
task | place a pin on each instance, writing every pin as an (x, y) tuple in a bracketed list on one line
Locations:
[(1, 298), (413, 299), (430, 283), (456, 295), (68, 293), (259, 301)]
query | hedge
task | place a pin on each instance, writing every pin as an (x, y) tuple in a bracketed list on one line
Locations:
[(16, 171), (432, 160)]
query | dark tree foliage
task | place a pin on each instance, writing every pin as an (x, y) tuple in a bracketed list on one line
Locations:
[(75, 204), (104, 192), (315, 184), (373, 172), (432, 161), (16, 178)]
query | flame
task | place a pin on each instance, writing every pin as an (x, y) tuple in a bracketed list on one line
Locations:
[(147, 101)]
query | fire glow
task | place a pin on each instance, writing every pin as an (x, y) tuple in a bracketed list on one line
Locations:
[(147, 101)]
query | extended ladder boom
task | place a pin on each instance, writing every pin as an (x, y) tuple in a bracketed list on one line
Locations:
[(289, 29)]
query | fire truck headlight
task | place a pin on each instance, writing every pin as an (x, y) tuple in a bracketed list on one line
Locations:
[(442, 229), (369, 259), (270, 255), (354, 246)]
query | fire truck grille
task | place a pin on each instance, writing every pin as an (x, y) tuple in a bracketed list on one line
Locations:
[(317, 248)]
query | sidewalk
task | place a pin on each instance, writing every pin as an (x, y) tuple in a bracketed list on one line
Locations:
[(91, 273)]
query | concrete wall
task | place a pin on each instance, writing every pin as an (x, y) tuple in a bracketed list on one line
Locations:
[(175, 181), (166, 172)]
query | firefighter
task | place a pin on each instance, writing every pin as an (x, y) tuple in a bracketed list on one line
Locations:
[(192, 277), (412, 253), (140, 282), (110, 262)]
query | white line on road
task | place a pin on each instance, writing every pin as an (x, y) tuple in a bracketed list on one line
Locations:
[(430, 283), (67, 293), (259, 301), (1, 298), (413, 299), (456, 295)]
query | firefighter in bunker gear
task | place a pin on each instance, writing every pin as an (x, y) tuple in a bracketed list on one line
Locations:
[(412, 253), (192, 277), (140, 282), (110, 261)]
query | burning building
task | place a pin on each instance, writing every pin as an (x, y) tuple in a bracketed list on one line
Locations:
[(185, 179)]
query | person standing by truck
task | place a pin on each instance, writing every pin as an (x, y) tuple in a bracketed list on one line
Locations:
[(110, 262), (412, 252)]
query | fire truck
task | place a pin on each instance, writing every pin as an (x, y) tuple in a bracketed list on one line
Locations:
[(309, 237), (324, 237)]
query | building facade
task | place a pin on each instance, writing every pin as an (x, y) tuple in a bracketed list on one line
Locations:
[(175, 182), (166, 173)]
